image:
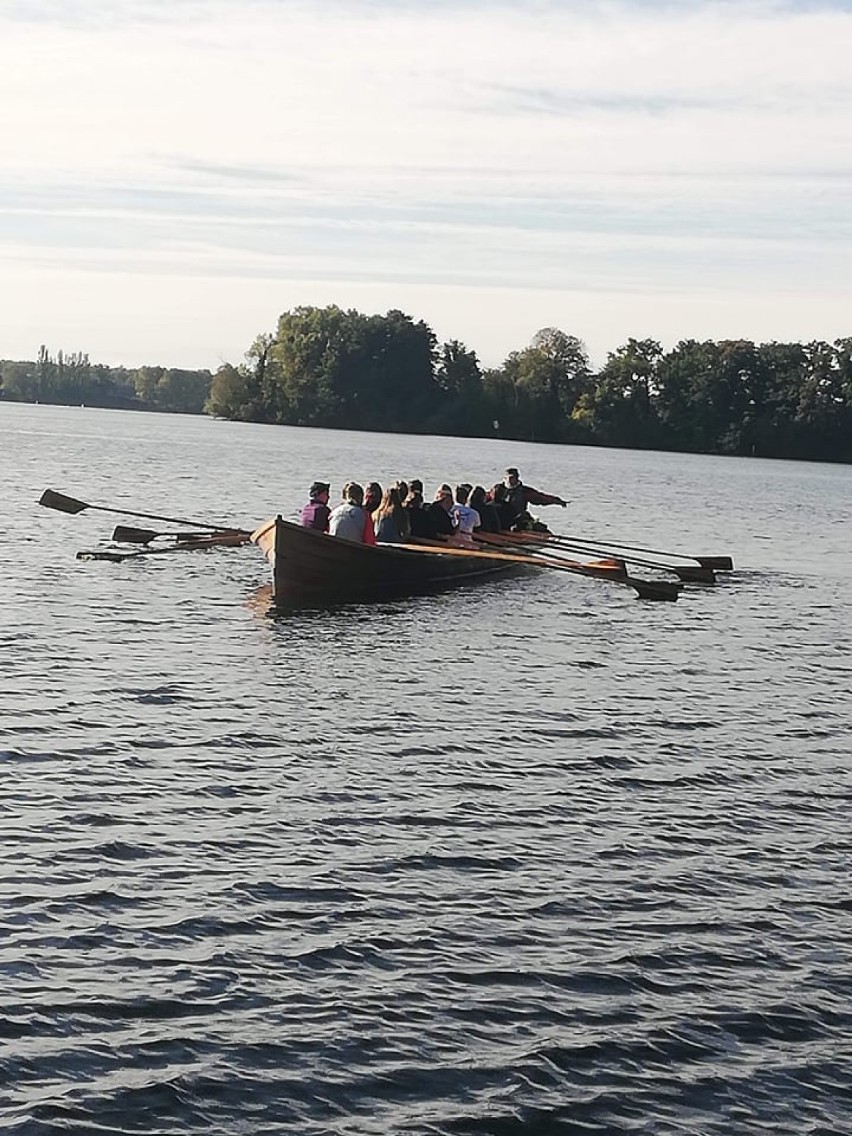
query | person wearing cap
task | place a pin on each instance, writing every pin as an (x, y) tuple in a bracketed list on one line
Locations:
[(519, 497), (316, 513)]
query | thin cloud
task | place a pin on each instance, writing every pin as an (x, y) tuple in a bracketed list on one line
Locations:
[(543, 146)]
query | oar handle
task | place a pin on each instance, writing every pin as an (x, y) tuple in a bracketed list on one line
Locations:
[(715, 563), (210, 526)]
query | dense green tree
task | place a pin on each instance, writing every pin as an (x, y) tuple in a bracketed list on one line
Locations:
[(534, 393), (773, 429), (566, 366), (619, 406), (457, 370), (19, 381), (824, 410), (681, 375), (66, 378), (331, 367), (184, 392), (172, 389), (463, 407), (235, 393), (400, 373), (309, 372), (146, 381)]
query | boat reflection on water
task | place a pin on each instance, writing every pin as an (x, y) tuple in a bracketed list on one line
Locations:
[(261, 602)]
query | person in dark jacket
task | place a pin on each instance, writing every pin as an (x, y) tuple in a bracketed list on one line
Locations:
[(439, 520), (519, 497), (504, 511), (415, 507), (315, 514), (489, 518)]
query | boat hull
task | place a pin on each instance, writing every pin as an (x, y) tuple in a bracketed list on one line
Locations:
[(312, 568)]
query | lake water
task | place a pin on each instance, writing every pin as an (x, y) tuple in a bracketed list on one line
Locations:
[(532, 857)]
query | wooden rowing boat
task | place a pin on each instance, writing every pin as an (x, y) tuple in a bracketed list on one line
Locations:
[(310, 567)]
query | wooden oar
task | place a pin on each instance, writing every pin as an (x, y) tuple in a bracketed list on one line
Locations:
[(715, 563), (687, 574), (124, 534), (607, 566), (220, 540), (53, 500), (646, 589)]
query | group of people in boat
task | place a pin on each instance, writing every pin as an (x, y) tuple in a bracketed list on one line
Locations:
[(400, 513)]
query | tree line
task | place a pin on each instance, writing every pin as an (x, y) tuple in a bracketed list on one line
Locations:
[(70, 379), (336, 368), (343, 369)]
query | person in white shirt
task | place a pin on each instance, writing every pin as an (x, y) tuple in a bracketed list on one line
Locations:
[(349, 520), (464, 518)]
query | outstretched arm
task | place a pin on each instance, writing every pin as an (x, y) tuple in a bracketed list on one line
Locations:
[(534, 497)]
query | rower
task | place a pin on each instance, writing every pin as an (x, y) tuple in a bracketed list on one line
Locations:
[(349, 520), (489, 517), (438, 519), (372, 497), (464, 518), (315, 514), (418, 520), (390, 520)]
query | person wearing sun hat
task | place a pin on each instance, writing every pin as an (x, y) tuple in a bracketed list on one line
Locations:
[(316, 513)]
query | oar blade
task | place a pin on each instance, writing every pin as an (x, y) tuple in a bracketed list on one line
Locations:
[(658, 590), (608, 569), (126, 534), (53, 500), (65, 504), (695, 575), (716, 563), (103, 554)]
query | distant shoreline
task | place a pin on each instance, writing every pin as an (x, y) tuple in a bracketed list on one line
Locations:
[(421, 434)]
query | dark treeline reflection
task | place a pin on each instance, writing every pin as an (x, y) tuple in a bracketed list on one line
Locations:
[(334, 368)]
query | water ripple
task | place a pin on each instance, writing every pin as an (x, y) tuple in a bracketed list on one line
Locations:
[(529, 858)]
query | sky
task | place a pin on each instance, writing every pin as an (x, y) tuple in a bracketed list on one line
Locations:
[(174, 174)]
